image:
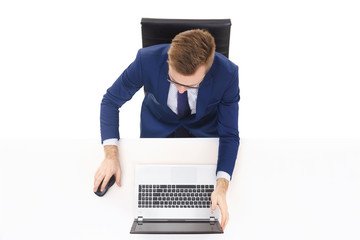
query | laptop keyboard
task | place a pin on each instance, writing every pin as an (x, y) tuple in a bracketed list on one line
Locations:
[(175, 196)]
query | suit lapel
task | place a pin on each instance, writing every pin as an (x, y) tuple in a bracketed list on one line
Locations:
[(163, 86), (163, 89), (204, 95)]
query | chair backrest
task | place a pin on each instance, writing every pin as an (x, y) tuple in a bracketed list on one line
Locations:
[(157, 31)]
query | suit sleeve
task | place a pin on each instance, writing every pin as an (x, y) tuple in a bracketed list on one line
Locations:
[(129, 82), (228, 112)]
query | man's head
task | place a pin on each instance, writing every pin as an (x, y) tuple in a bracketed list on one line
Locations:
[(191, 55)]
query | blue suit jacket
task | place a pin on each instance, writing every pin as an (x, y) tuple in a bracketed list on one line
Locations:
[(216, 107)]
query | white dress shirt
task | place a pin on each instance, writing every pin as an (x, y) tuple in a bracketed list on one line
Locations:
[(172, 104)]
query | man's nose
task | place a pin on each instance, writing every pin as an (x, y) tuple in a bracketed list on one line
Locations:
[(182, 89)]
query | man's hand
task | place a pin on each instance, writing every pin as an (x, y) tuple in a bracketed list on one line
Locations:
[(110, 166), (218, 197)]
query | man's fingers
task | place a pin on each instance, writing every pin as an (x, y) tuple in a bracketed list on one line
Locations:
[(227, 220), (221, 201), (224, 220), (97, 183), (213, 202), (117, 176), (105, 182), (107, 169), (98, 177), (224, 214)]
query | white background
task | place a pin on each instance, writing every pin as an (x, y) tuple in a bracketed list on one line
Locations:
[(299, 79)]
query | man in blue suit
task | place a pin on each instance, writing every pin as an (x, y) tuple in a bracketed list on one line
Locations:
[(191, 91)]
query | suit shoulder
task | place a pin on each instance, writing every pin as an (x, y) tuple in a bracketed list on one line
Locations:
[(223, 64), (155, 51)]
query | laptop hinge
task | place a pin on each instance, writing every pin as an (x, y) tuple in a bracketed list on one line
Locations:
[(140, 220), (212, 220)]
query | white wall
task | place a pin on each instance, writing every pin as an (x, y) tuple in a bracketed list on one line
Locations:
[(299, 64)]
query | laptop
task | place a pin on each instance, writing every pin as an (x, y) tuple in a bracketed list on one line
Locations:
[(175, 199)]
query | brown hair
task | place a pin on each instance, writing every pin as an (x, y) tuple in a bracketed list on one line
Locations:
[(191, 49)]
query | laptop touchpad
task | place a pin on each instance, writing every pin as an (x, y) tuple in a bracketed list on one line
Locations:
[(183, 175)]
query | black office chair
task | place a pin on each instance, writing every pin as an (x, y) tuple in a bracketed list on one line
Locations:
[(157, 31)]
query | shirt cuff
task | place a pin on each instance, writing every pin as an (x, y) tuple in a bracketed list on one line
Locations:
[(222, 174), (111, 141)]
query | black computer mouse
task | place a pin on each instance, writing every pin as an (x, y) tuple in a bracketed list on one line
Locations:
[(110, 183)]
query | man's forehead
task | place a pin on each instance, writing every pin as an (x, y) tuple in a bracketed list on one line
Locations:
[(187, 80), (200, 72)]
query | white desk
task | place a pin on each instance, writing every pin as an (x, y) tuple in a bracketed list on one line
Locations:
[(280, 189)]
